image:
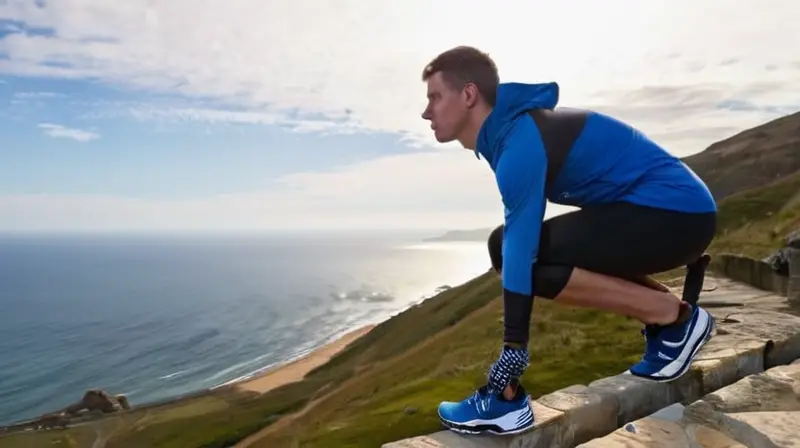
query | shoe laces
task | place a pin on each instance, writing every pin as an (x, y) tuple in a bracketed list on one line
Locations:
[(480, 399), (651, 332)]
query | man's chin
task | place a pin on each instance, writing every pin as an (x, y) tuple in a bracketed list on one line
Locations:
[(442, 138)]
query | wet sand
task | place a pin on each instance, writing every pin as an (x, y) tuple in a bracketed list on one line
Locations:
[(297, 369)]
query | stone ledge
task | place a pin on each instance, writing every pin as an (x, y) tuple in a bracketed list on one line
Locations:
[(651, 432), (751, 335), (762, 410), (750, 271), (759, 411)]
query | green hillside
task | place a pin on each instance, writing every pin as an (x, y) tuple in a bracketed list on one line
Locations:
[(387, 384), (754, 222), (752, 158)]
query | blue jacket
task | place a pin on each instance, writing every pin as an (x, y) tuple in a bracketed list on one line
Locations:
[(609, 161)]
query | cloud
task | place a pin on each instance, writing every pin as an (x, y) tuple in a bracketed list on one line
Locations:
[(667, 67), (335, 200), (59, 131), (447, 190), (687, 117), (38, 95), (275, 57)]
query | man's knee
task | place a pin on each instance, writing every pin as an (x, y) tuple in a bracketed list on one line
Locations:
[(549, 280), (495, 245)]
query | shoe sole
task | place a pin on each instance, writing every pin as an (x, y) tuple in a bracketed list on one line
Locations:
[(494, 426), (688, 364)]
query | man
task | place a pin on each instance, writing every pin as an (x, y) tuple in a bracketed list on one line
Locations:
[(641, 211)]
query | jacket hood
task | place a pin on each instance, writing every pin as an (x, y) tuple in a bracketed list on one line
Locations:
[(513, 99)]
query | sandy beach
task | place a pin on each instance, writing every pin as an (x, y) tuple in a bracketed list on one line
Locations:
[(297, 369)]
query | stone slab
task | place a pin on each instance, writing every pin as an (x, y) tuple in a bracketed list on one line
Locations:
[(652, 432), (546, 432), (587, 414), (762, 410), (746, 341), (751, 335)]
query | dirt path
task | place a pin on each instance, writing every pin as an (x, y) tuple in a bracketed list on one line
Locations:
[(268, 382)]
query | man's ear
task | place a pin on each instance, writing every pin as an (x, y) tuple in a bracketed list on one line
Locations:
[(471, 95)]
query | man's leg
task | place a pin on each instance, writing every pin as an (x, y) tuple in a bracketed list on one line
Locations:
[(600, 257), (597, 258)]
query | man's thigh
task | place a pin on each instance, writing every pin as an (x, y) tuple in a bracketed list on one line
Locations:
[(624, 240)]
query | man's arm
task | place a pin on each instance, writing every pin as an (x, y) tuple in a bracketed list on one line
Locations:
[(521, 180)]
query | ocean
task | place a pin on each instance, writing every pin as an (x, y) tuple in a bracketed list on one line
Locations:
[(159, 316)]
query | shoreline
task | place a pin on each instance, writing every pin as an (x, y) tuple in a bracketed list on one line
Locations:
[(282, 373), (289, 371), (271, 378), (295, 370)]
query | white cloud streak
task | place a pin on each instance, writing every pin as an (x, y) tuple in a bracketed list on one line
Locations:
[(674, 68), (60, 131), (362, 56)]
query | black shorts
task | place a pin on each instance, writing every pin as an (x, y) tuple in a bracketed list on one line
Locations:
[(620, 239)]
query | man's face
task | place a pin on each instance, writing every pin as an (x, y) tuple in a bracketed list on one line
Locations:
[(447, 109)]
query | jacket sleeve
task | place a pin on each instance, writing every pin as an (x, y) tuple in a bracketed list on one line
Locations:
[(520, 178)]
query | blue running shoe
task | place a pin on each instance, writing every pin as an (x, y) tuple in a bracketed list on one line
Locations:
[(670, 349), (486, 412)]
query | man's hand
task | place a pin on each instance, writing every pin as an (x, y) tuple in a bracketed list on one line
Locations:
[(653, 284), (512, 364)]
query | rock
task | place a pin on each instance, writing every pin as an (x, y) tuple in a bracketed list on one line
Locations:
[(49, 421), (793, 287), (644, 433), (635, 397), (793, 239), (97, 400), (410, 410), (587, 414), (762, 410), (672, 413), (779, 262), (123, 401), (651, 432)]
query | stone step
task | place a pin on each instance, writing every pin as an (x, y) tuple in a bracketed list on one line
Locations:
[(758, 411), (753, 333)]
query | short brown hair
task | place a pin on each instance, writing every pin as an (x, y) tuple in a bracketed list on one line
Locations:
[(462, 65)]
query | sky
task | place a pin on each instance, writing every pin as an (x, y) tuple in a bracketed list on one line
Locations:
[(242, 115)]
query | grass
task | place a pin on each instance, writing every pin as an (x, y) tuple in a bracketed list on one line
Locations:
[(221, 425), (755, 222), (568, 346), (78, 437), (387, 384)]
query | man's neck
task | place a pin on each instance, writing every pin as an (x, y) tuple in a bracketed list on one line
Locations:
[(470, 136)]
